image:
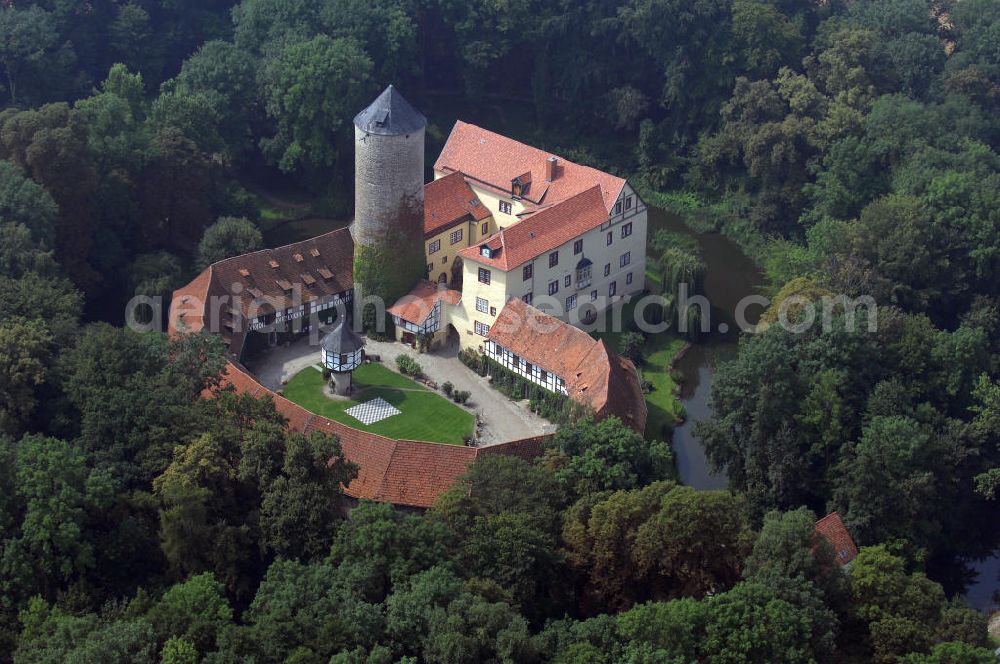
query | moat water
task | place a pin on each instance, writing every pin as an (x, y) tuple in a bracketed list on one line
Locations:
[(731, 277)]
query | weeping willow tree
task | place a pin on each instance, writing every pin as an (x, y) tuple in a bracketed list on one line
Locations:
[(680, 265)]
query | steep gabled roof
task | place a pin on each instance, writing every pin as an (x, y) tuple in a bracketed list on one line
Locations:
[(495, 161), (542, 232), (595, 375), (448, 201)]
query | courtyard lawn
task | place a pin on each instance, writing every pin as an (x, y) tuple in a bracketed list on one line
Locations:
[(425, 414)]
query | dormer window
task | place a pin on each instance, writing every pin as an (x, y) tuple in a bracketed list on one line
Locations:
[(485, 251), (519, 186)]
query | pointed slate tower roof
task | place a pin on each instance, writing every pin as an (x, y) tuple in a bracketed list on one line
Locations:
[(342, 340), (390, 115)]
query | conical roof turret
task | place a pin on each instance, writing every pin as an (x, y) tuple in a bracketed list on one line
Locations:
[(390, 115)]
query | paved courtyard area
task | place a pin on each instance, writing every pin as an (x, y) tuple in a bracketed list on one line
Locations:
[(500, 418)]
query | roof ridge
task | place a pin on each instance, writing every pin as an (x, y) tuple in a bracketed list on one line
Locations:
[(283, 246)]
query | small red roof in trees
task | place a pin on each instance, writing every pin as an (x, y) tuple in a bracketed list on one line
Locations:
[(831, 527)]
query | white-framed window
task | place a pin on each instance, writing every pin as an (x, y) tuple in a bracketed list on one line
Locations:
[(607, 269), (553, 287), (618, 207), (593, 295), (627, 229), (482, 305), (628, 203), (625, 259), (628, 279), (505, 207), (578, 247), (430, 267), (482, 329), (527, 271), (434, 246), (612, 289), (493, 311), (485, 229), (571, 302), (610, 238), (456, 236), (567, 281), (554, 258), (528, 297), (484, 275)]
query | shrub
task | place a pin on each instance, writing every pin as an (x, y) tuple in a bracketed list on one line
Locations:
[(408, 366), (473, 360), (630, 346), (461, 396), (326, 373), (647, 386), (447, 388)]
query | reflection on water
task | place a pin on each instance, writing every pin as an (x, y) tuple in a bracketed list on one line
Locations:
[(731, 276), (984, 592), (694, 469)]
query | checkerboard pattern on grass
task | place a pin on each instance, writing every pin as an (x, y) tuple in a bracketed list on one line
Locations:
[(372, 411)]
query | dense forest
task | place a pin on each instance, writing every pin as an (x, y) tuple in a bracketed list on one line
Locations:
[(850, 146)]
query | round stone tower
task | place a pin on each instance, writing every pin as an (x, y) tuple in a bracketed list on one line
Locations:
[(388, 226)]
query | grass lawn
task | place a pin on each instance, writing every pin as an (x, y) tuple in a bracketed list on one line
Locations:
[(663, 406), (425, 415)]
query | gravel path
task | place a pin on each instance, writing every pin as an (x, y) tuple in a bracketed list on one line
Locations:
[(500, 418)]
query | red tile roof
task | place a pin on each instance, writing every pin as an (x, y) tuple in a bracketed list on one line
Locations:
[(318, 267), (595, 375), (542, 232), (494, 160), (416, 305), (187, 308), (401, 472), (449, 201), (609, 384), (831, 527)]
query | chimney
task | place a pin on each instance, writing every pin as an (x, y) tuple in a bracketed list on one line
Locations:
[(550, 168)]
